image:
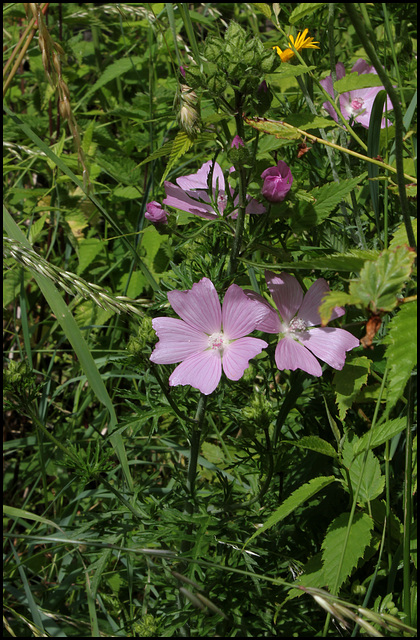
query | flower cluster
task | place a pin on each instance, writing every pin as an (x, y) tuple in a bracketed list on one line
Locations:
[(356, 105), (209, 338)]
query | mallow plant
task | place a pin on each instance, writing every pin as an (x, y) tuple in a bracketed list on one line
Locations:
[(246, 466)]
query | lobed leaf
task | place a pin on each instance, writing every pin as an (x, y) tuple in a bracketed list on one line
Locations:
[(364, 470), (349, 381)]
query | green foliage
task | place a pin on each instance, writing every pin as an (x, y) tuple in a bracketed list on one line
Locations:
[(401, 351), (343, 546), (136, 508)]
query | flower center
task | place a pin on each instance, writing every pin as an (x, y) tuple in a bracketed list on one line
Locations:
[(221, 202), (357, 104), (217, 341), (297, 324)]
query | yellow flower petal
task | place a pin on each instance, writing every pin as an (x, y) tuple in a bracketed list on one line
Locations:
[(301, 42)]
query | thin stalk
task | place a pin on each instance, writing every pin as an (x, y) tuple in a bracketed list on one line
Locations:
[(195, 449), (240, 221), (359, 27), (408, 504)]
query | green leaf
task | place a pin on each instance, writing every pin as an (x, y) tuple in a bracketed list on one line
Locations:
[(113, 71), (341, 554), (313, 443), (352, 81), (298, 497), (400, 235), (401, 351), (303, 10), (88, 248), (13, 512), (326, 198), (381, 433), (369, 472), (381, 281), (274, 128), (212, 453), (264, 8), (181, 145), (349, 381)]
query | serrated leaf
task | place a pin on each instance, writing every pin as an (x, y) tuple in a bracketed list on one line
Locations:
[(308, 121), (128, 193), (348, 383), (381, 434), (313, 443), (381, 282), (372, 481), (89, 248), (298, 497), (264, 8), (212, 453), (401, 351), (120, 168), (326, 198), (339, 559), (353, 81), (303, 10), (181, 145), (399, 238), (37, 227)]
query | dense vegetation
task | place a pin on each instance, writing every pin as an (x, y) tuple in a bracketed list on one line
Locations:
[(172, 468)]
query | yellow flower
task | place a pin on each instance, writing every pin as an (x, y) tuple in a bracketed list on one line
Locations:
[(301, 42)]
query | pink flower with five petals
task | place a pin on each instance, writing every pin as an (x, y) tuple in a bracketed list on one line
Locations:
[(208, 338), (191, 194), (300, 339)]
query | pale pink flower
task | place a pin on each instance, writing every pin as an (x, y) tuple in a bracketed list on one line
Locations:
[(278, 181), (300, 341), (208, 338), (192, 194), (357, 104)]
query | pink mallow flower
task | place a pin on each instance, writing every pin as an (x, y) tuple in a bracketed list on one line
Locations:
[(355, 104), (155, 213), (208, 338), (300, 341), (191, 194), (278, 181)]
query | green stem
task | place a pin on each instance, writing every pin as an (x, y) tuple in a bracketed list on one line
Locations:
[(195, 449), (359, 27), (240, 221)]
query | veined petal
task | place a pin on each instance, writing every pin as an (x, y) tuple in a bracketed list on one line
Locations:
[(177, 340), (240, 315), (201, 370), (237, 354), (292, 355), (199, 306), (270, 323), (179, 199), (309, 311), (329, 344), (286, 293), (199, 180)]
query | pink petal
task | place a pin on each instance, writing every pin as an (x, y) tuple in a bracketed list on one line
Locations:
[(309, 311), (199, 180), (255, 207), (292, 355), (237, 354), (201, 370), (199, 307), (286, 292), (240, 315), (179, 199), (177, 341), (271, 321), (329, 344)]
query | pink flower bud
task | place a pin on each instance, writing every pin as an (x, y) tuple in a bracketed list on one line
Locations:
[(277, 182), (237, 142), (155, 213)]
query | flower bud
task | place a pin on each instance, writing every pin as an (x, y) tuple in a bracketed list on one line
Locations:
[(278, 181), (155, 213)]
